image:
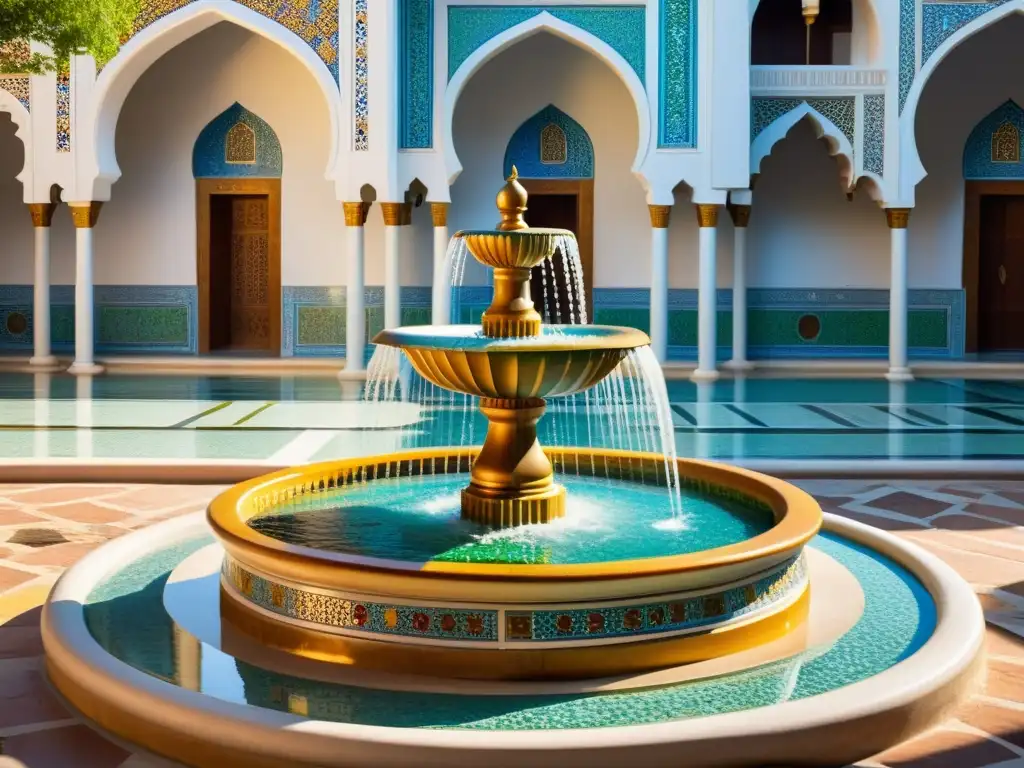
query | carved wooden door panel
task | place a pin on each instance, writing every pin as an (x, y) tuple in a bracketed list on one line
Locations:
[(1001, 274), (250, 263)]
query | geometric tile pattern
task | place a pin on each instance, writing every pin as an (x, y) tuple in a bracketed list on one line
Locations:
[(362, 78), (975, 528), (18, 87), (210, 153), (908, 48), (874, 133), (64, 112), (841, 111), (524, 148), (979, 159), (939, 21), (678, 73), (416, 83), (315, 21)]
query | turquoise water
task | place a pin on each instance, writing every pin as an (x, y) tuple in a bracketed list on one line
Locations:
[(418, 519), (127, 617)]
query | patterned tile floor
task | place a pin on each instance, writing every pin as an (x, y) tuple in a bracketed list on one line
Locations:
[(977, 527)]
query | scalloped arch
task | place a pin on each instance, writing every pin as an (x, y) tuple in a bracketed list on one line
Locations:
[(838, 143)]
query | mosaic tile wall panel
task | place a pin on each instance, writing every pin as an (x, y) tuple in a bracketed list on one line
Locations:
[(210, 152), (129, 318), (908, 48), (677, 74), (416, 58), (524, 148), (19, 87), (314, 318), (940, 21), (64, 112), (841, 111), (481, 625), (874, 133), (983, 159), (315, 21), (850, 323), (361, 68), (622, 27)]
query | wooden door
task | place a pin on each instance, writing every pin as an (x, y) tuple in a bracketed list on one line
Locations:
[(1001, 274), (250, 270), (548, 284)]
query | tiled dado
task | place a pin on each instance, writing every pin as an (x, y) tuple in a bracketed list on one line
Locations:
[(795, 323), (128, 318), (513, 625)]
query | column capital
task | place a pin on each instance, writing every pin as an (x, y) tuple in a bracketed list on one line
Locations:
[(898, 218), (85, 215), (707, 214), (439, 213), (355, 213), (42, 213), (740, 214), (660, 215), (392, 213)]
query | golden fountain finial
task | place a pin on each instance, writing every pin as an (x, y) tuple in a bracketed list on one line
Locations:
[(512, 204)]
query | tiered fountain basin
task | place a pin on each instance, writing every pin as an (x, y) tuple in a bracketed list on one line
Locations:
[(761, 641), (395, 579)]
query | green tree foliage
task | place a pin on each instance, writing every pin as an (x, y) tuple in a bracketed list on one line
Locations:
[(66, 27)]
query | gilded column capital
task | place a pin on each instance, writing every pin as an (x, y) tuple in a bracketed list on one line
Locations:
[(355, 213), (707, 214), (660, 215), (897, 218), (42, 213), (406, 214), (392, 214), (85, 216), (439, 213), (740, 214)]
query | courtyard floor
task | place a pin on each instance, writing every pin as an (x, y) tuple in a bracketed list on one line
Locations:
[(977, 527)]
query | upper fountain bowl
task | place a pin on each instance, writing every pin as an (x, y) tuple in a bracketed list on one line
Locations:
[(520, 249), (562, 360)]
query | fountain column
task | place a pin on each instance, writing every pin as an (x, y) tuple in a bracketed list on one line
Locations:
[(355, 309), (393, 218), (898, 219), (707, 305), (740, 218), (441, 299), (84, 216), (660, 215), (42, 218)]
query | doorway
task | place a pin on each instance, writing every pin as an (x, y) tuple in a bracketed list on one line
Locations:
[(562, 204), (239, 266), (994, 266)]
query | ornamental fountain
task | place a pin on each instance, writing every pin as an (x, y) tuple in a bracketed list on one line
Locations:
[(435, 606)]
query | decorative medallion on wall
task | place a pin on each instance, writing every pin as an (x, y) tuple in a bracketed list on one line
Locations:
[(553, 145), (361, 131), (315, 21), (550, 145), (993, 149), (237, 143)]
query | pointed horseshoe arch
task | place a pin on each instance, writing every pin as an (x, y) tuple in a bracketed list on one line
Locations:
[(23, 130), (143, 50), (542, 22), (838, 144)]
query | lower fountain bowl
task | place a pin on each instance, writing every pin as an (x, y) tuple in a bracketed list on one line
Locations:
[(504, 620)]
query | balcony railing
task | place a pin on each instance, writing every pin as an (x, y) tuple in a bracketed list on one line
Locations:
[(784, 80)]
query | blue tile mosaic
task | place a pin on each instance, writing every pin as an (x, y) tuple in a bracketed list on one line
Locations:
[(524, 148), (874, 133), (840, 111), (940, 21), (677, 73), (416, 78), (623, 27), (908, 48), (994, 148), (361, 91), (212, 154)]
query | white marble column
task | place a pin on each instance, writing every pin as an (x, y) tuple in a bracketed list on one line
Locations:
[(355, 288), (740, 218), (84, 216), (660, 215), (899, 370), (707, 304), (42, 218), (393, 217), (441, 298)]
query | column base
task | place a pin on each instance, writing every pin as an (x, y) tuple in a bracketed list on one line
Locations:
[(43, 362), (738, 365), (899, 374), (705, 376), (85, 369)]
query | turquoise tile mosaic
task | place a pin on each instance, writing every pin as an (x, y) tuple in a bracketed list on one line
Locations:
[(874, 133), (677, 73), (908, 48), (416, 75), (236, 144), (994, 148), (524, 149), (622, 27), (940, 21), (840, 111)]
